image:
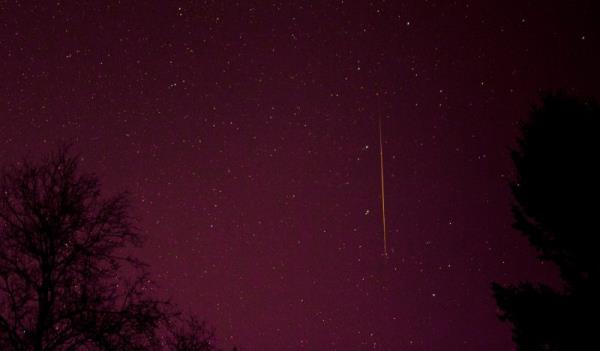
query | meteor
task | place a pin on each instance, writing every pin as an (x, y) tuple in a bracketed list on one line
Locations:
[(385, 252)]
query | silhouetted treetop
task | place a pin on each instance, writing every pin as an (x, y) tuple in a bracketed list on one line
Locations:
[(67, 282), (556, 190), (62, 279), (556, 204), (190, 334)]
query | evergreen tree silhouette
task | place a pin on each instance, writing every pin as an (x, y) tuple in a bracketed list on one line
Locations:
[(556, 204)]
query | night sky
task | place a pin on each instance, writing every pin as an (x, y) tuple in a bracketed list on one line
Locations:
[(247, 134)]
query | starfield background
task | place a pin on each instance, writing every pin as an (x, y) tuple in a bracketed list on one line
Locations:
[(247, 133)]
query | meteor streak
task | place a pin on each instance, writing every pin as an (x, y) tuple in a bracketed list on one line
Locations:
[(385, 252)]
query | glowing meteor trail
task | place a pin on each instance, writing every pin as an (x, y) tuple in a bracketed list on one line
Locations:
[(385, 253)]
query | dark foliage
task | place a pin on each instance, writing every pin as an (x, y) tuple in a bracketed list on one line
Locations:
[(66, 280), (556, 203)]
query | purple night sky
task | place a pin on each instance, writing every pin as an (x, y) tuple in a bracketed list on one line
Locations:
[(247, 133)]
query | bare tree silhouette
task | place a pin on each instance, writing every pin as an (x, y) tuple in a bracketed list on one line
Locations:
[(556, 194), (190, 334), (66, 282)]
